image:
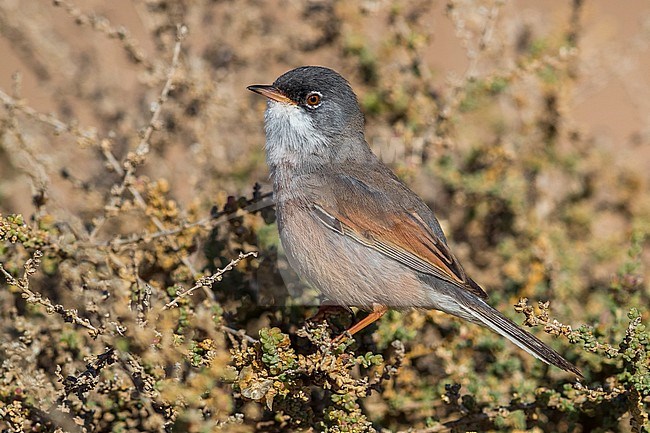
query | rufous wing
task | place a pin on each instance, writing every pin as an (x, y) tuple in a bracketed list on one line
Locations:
[(403, 236)]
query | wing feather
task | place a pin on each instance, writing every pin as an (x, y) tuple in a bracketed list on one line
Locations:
[(403, 237)]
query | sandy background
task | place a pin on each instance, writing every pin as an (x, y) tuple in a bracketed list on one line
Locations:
[(611, 101)]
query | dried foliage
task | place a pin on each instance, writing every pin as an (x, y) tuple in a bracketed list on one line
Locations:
[(143, 286)]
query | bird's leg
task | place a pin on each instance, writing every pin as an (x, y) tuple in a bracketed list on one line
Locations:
[(377, 312)]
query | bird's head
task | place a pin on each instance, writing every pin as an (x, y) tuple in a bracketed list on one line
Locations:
[(312, 116)]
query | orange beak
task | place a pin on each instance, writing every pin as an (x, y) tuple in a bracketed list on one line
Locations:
[(271, 92)]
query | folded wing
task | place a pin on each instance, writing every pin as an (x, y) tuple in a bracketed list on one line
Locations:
[(400, 233)]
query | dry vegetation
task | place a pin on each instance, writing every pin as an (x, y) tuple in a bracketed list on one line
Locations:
[(143, 287)]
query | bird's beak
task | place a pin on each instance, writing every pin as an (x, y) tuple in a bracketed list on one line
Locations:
[(271, 92)]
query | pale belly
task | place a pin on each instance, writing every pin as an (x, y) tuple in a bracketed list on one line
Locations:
[(346, 272)]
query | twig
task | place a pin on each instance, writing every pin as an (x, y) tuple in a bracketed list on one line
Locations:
[(554, 327), (435, 429), (486, 36), (87, 136), (80, 384), (238, 333), (69, 315), (143, 146), (209, 281), (459, 86), (36, 170), (205, 223), (103, 25), (133, 159)]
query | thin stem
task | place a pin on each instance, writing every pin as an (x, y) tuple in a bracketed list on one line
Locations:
[(209, 281)]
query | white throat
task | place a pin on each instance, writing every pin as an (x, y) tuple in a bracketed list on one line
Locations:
[(292, 140)]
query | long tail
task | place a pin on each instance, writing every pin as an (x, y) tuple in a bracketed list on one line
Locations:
[(497, 322)]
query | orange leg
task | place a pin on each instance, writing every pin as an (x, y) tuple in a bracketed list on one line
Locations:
[(377, 312)]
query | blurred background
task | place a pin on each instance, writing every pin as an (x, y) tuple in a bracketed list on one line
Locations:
[(524, 124), (72, 63)]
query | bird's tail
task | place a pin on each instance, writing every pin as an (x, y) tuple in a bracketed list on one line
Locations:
[(497, 322)]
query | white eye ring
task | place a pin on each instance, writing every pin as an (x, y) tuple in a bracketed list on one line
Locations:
[(314, 99)]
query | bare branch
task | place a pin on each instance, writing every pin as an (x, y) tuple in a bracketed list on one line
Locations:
[(69, 315), (209, 281)]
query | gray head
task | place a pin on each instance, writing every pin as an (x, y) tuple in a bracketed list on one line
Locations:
[(312, 118)]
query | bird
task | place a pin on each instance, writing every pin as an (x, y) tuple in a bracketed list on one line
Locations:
[(350, 227)]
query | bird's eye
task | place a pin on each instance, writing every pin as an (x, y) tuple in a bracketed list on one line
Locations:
[(313, 99)]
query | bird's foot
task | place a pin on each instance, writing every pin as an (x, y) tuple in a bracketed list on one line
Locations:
[(377, 312)]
